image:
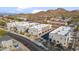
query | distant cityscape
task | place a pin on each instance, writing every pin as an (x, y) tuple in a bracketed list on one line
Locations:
[(39, 29)]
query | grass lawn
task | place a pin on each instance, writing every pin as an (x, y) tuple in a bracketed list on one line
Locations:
[(2, 33)]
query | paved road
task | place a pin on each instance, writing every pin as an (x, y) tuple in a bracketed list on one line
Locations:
[(46, 32), (29, 44)]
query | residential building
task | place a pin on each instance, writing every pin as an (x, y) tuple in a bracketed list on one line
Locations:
[(60, 35), (20, 26), (57, 22), (33, 24), (39, 29), (7, 44)]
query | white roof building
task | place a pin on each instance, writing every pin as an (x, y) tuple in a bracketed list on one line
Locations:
[(33, 24), (61, 34), (63, 30), (38, 29), (20, 26), (7, 43)]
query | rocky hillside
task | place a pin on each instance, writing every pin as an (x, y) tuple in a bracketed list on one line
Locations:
[(42, 16)]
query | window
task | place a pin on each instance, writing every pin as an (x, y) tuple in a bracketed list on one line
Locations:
[(64, 43), (65, 39), (60, 38), (57, 41)]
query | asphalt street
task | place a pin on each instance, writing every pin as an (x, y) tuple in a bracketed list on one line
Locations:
[(29, 44)]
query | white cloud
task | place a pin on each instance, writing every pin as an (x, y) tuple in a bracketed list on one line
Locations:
[(35, 11), (22, 7)]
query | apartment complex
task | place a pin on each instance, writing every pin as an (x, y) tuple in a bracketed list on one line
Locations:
[(39, 29), (60, 35), (20, 26)]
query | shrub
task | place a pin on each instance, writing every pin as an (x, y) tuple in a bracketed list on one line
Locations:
[(2, 32)]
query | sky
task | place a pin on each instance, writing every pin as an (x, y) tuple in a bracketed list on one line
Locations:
[(33, 6), (31, 9)]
